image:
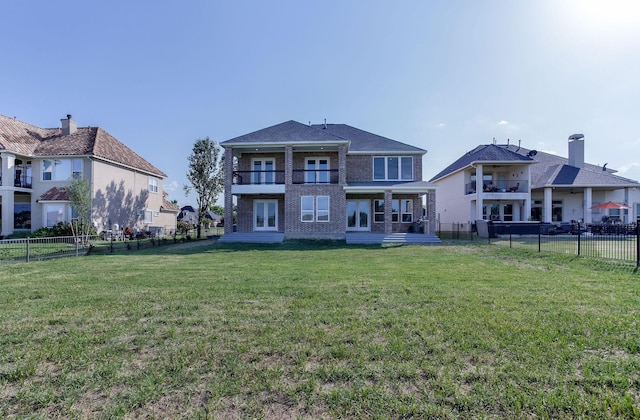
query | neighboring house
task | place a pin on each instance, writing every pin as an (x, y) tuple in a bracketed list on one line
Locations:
[(190, 215), (511, 183), (38, 163), (322, 181)]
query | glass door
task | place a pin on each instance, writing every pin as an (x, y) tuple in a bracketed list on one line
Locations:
[(265, 215), (358, 215)]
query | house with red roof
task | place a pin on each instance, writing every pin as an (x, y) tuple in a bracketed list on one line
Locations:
[(37, 164)]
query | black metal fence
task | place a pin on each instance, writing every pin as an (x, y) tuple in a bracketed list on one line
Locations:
[(38, 249), (619, 242)]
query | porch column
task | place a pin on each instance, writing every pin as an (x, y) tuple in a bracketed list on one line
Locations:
[(527, 207), (288, 165), (479, 192), (388, 215), (228, 196), (588, 202), (547, 216), (516, 212), (342, 164)]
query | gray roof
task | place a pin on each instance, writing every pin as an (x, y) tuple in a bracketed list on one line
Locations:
[(548, 169), (364, 141), (481, 154), (292, 132), (554, 170), (286, 132)]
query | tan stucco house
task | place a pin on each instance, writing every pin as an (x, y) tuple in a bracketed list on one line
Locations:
[(38, 163), (508, 182)]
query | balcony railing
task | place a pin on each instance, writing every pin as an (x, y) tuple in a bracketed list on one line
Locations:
[(315, 176), (258, 177), (520, 186), (300, 176), (20, 181)]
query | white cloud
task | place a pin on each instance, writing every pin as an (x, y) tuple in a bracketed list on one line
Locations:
[(503, 122), (170, 186)]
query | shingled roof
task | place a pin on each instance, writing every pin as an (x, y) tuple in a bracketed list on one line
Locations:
[(28, 140), (55, 194), (293, 132), (486, 153), (554, 170)]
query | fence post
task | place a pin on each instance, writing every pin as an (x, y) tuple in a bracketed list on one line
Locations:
[(638, 242), (509, 227), (579, 235), (539, 235), (28, 240)]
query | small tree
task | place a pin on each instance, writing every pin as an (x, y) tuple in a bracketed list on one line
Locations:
[(79, 192), (206, 176)]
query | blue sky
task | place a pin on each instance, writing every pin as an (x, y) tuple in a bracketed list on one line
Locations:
[(444, 75)]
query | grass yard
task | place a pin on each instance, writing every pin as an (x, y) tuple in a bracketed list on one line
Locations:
[(317, 330)]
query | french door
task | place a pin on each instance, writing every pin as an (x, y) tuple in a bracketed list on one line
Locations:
[(265, 215), (358, 215)]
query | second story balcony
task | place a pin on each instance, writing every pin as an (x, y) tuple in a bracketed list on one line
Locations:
[(499, 187), (20, 181), (265, 182)]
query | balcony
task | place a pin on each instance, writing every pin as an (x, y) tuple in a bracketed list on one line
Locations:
[(20, 181), (507, 187), (315, 176), (258, 182)]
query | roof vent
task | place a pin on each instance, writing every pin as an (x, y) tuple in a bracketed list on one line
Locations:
[(532, 153)]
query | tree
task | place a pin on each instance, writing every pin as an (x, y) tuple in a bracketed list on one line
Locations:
[(206, 176), (79, 192)]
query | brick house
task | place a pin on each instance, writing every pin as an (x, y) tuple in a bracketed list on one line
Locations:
[(322, 181), (38, 163)]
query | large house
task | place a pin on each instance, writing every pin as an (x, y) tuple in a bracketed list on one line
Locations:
[(323, 182), (507, 182), (38, 163)]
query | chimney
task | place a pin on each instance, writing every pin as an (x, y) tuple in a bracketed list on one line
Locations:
[(69, 126), (576, 150)]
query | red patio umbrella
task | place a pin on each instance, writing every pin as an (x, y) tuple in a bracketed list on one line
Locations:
[(611, 205)]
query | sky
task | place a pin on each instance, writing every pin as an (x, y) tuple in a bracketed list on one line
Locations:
[(443, 75)]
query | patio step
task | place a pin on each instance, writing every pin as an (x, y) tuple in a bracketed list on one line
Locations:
[(393, 238)]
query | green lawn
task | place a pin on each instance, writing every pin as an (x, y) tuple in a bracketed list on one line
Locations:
[(319, 330)]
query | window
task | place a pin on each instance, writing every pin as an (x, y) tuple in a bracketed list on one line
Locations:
[(76, 168), (153, 184), (61, 169), (148, 216), (314, 208), (378, 210), (407, 211), (317, 171), (307, 210), (322, 214), (22, 215), (391, 168), (54, 214)]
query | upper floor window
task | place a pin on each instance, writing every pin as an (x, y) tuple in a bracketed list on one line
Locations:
[(61, 169), (392, 168), (153, 184), (316, 170)]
